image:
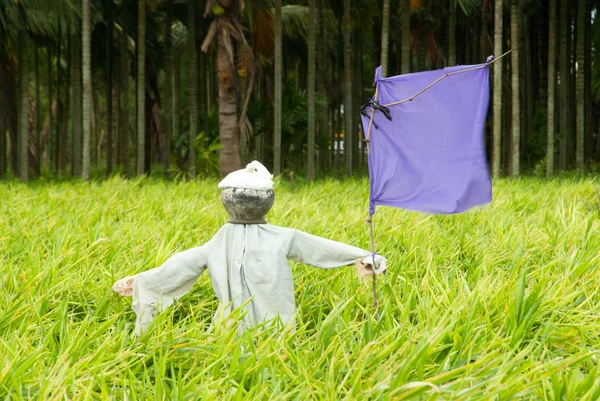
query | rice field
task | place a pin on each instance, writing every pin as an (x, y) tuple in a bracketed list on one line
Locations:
[(498, 303)]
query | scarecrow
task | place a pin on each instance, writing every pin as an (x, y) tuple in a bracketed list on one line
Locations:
[(247, 260)]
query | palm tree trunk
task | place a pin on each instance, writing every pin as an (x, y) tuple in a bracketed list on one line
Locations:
[(59, 105), (168, 98), (564, 83), (141, 86), (124, 130), (405, 36), (192, 87), (242, 89), (278, 91), (76, 112), (37, 114), (385, 35), (311, 88), (3, 155), (467, 51), (321, 71), (347, 88), (528, 86), (497, 134), (87, 90), (65, 117), (598, 143), (422, 50), (516, 99), (551, 87), (207, 74), (24, 106), (543, 40), (177, 98), (356, 88), (572, 108), (47, 147), (116, 119), (229, 157), (581, 17), (477, 44), (200, 115), (96, 136), (452, 33), (259, 140), (589, 101), (109, 88)]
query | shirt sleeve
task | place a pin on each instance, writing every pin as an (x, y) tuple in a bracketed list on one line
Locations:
[(156, 289), (321, 252)]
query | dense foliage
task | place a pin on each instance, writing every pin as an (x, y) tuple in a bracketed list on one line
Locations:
[(220, 84)]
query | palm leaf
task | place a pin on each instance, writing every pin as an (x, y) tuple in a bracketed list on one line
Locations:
[(469, 7)]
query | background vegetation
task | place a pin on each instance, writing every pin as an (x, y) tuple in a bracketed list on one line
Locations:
[(186, 87)]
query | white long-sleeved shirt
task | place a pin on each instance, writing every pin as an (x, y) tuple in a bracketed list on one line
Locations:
[(246, 263)]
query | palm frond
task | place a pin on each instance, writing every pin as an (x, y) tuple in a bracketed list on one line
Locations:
[(469, 7), (179, 34), (44, 19), (294, 21)]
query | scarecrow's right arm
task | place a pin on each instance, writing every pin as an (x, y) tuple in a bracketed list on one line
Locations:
[(159, 287)]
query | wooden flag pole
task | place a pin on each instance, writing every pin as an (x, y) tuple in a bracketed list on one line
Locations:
[(370, 218)]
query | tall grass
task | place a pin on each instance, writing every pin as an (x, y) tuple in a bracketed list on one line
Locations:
[(499, 303)]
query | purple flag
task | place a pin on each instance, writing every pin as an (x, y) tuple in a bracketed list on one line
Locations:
[(431, 156)]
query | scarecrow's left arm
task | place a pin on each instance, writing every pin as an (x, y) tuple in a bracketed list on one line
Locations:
[(327, 254)]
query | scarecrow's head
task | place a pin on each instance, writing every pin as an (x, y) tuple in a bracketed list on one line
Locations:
[(248, 194)]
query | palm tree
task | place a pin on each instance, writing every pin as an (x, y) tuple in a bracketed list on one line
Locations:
[(192, 87), (551, 87), (516, 116), (3, 155), (385, 34), (37, 101), (168, 112), (348, 129), (311, 87), (405, 35), (278, 90), (452, 33), (177, 97), (87, 88), (225, 27), (59, 103), (497, 134), (24, 104), (124, 68), (109, 88), (141, 83), (564, 83), (581, 22), (49, 96), (76, 111)]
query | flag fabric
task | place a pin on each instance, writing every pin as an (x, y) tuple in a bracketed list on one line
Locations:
[(430, 157)]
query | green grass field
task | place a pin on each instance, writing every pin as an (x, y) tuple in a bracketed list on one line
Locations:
[(499, 303)]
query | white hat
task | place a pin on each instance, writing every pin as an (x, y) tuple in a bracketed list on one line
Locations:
[(254, 176)]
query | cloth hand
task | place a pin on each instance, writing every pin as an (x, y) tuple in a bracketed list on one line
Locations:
[(367, 266), (124, 286)]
